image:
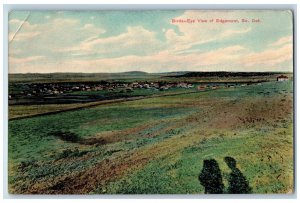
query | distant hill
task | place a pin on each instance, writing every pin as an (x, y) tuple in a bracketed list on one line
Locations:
[(125, 76), (174, 73), (75, 77), (134, 73), (225, 74)]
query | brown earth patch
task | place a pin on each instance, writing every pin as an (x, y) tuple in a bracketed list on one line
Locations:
[(224, 114), (86, 181)]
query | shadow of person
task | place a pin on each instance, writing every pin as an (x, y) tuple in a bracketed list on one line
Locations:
[(238, 183), (211, 178)]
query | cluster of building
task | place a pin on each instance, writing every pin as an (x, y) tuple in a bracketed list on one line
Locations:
[(40, 89), (223, 85), (65, 88), (232, 85), (214, 87)]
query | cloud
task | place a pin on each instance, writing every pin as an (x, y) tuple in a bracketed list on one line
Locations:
[(15, 22), (282, 41), (269, 57), (18, 61), (136, 38), (92, 29), (277, 52), (15, 30), (74, 45), (23, 36), (234, 58), (50, 36), (228, 33), (159, 62), (191, 34)]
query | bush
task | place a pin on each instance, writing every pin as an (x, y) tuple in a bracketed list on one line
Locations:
[(66, 136)]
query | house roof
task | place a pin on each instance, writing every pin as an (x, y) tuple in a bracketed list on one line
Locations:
[(282, 76)]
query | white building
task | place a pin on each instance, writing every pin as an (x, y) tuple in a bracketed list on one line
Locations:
[(282, 78)]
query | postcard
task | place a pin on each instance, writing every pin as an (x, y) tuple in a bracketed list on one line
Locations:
[(150, 102)]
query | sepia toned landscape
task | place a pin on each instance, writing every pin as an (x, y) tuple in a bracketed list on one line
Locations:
[(150, 102)]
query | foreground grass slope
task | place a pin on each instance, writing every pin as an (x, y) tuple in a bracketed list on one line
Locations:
[(157, 145)]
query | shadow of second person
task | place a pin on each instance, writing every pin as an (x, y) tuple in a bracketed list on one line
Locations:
[(211, 177), (238, 183)]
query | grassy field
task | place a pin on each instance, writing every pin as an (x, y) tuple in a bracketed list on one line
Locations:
[(20, 111), (157, 145)]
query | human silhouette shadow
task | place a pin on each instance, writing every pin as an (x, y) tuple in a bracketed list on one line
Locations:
[(211, 178), (238, 183)]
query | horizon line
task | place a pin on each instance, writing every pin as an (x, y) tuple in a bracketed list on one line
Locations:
[(155, 72)]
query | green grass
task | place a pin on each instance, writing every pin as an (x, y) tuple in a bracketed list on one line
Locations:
[(179, 174), (19, 111), (31, 137), (177, 137)]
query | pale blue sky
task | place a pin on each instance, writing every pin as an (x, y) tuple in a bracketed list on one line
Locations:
[(117, 41)]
